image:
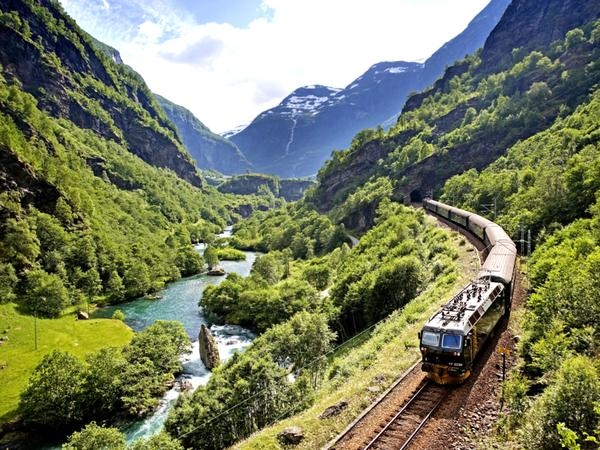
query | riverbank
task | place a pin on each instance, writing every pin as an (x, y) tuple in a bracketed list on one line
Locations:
[(25, 340)]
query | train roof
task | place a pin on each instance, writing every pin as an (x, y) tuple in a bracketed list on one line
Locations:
[(480, 221), (461, 313), (500, 262)]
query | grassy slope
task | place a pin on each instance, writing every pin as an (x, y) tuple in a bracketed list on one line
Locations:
[(391, 349), (18, 356)]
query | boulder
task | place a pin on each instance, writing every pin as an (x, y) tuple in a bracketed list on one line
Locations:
[(291, 436), (334, 410), (209, 350), (216, 271), (82, 315), (186, 386)]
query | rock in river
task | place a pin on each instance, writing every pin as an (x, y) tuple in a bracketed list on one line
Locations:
[(209, 350)]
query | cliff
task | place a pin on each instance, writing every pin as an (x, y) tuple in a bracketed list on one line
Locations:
[(55, 61), (209, 150)]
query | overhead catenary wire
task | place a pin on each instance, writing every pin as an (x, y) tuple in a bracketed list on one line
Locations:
[(262, 391)]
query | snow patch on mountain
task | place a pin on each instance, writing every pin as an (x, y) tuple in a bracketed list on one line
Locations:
[(307, 100), (227, 134), (400, 69)]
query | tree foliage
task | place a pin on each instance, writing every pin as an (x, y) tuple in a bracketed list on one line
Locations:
[(63, 392)]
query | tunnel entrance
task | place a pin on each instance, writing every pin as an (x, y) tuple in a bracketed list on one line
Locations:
[(416, 196)]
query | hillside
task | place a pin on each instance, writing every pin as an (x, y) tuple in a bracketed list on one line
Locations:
[(470, 117), (296, 137), (99, 201), (209, 150)]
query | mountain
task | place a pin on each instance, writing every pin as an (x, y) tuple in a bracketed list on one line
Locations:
[(296, 137), (61, 87), (99, 201), (515, 87), (210, 150)]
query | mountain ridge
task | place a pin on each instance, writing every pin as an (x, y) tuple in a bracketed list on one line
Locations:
[(469, 118), (210, 150), (297, 148)]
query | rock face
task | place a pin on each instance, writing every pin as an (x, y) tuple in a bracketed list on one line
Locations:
[(209, 350), (118, 105), (209, 150), (532, 25), (295, 138)]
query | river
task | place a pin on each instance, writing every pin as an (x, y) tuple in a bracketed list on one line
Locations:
[(179, 301)]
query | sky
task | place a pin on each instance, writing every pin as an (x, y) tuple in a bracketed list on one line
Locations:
[(229, 60)]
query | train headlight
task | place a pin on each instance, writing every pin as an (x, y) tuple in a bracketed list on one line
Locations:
[(456, 353), (424, 349)]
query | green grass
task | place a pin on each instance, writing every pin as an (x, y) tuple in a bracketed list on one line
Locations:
[(392, 347), (19, 357)]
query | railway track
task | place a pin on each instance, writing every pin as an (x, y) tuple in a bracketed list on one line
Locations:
[(403, 426), (396, 417)]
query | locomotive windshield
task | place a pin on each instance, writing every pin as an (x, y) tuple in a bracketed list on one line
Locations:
[(431, 339), (451, 341)]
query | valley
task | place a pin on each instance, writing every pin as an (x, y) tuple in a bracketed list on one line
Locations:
[(108, 191)]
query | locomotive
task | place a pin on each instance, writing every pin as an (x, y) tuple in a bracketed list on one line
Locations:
[(453, 337)]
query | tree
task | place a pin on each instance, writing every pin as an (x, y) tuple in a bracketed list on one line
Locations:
[(45, 294), (114, 286), (102, 383), (211, 257), (162, 343), (189, 262), (141, 385), (20, 245), (268, 267), (53, 397), (160, 441), (300, 343), (137, 279), (8, 281), (94, 437)]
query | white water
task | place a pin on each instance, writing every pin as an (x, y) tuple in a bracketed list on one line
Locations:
[(230, 340)]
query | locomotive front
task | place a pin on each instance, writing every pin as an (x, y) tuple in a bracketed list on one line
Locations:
[(451, 339)]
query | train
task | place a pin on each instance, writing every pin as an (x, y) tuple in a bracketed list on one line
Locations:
[(452, 339)]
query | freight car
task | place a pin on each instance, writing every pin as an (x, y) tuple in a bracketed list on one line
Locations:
[(453, 337)]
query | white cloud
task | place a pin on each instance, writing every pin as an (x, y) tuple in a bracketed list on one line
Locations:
[(149, 32), (228, 75)]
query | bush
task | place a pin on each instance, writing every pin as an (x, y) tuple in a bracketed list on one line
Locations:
[(571, 399), (94, 437)]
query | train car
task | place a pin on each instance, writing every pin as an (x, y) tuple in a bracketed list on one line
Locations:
[(452, 338), (500, 264), (477, 226), (460, 216)]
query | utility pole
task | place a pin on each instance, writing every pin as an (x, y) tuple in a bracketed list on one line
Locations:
[(35, 327), (491, 207), (522, 240)]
